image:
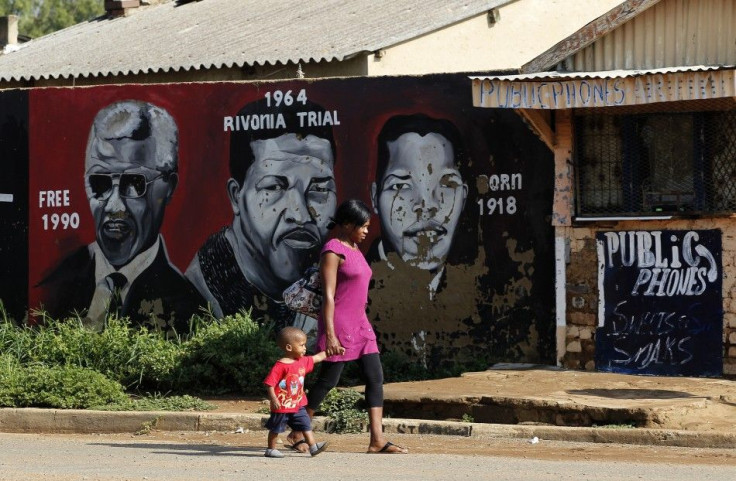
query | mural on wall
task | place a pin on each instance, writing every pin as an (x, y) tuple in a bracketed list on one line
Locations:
[(217, 196), (419, 194), (130, 174), (282, 192), (14, 202), (660, 308)]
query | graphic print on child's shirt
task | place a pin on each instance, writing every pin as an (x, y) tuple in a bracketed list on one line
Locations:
[(291, 390), (287, 380)]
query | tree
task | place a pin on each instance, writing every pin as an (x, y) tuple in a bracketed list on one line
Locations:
[(39, 17)]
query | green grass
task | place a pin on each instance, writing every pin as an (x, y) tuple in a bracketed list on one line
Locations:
[(615, 426), (160, 402)]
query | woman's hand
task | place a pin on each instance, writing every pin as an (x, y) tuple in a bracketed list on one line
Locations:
[(333, 346)]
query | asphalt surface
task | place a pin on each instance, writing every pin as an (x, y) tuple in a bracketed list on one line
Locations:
[(164, 456), (513, 401)]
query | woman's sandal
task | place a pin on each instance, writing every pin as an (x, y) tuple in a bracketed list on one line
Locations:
[(390, 448), (295, 446)]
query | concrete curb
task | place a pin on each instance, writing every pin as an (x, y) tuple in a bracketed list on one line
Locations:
[(47, 421), (640, 436)]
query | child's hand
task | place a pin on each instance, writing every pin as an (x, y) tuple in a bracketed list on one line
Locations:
[(275, 405), (322, 355)]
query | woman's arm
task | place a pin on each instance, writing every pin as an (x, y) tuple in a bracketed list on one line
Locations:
[(328, 273)]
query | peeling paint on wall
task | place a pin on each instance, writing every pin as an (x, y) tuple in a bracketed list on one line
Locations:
[(461, 244)]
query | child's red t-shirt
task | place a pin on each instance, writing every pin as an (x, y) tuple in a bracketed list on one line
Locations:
[(288, 383)]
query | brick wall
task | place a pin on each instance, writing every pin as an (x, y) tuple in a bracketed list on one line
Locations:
[(582, 287)]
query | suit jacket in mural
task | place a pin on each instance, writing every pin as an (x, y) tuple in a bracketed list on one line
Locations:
[(160, 297), (444, 316), (216, 274)]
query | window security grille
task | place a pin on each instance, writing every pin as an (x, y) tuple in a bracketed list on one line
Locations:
[(654, 164)]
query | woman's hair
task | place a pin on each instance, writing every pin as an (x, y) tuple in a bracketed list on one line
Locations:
[(351, 211)]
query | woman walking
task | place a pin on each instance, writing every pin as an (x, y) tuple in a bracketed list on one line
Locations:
[(344, 331)]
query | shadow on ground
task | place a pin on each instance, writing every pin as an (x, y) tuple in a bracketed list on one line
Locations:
[(632, 393)]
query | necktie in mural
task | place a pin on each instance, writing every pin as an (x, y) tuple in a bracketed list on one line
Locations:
[(116, 281), (107, 299)]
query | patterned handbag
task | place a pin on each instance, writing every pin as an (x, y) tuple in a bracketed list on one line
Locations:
[(305, 295)]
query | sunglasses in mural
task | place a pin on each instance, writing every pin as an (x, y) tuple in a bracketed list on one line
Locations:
[(125, 270), (130, 186)]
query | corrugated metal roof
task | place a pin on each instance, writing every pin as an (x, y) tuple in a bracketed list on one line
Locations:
[(601, 74), (673, 32), (228, 33)]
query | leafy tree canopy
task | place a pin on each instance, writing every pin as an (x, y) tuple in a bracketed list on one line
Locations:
[(39, 17)]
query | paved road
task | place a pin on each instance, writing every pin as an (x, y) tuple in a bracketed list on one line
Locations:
[(115, 457)]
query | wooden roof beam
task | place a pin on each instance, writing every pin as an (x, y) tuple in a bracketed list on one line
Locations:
[(541, 122), (587, 35)]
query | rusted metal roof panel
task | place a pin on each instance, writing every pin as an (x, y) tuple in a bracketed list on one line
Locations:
[(614, 88), (555, 75), (672, 32), (230, 33)]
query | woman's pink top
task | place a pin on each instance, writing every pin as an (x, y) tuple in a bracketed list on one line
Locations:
[(352, 327)]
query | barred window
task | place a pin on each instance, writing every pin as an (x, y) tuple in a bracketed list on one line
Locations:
[(654, 164)]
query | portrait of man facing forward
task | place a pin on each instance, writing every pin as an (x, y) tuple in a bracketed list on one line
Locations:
[(419, 192), (419, 195), (131, 173), (282, 193)]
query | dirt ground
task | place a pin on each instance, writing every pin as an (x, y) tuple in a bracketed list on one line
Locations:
[(693, 404), (446, 445), (690, 404), (435, 444)]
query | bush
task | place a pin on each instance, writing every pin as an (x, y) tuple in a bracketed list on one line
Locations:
[(343, 406), (220, 356), (233, 354), (340, 400), (64, 387), (397, 367), (11, 374), (69, 387), (138, 359), (15, 341)]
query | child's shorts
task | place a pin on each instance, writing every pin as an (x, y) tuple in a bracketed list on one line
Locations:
[(298, 421)]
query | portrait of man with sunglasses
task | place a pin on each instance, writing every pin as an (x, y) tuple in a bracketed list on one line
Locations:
[(282, 192), (131, 165)]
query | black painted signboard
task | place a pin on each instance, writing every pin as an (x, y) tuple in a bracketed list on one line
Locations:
[(13, 203), (661, 308)]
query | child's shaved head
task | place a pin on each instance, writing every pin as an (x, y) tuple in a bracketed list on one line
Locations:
[(289, 335)]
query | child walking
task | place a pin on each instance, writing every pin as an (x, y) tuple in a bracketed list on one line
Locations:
[(285, 384)]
